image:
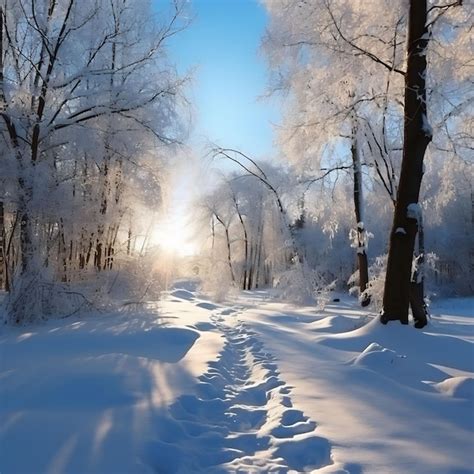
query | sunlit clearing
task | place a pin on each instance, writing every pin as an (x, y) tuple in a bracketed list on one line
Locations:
[(173, 234)]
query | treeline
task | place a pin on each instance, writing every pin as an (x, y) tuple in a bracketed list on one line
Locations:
[(358, 92), (90, 108)]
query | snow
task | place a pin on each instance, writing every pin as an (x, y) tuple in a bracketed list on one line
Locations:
[(426, 127), (457, 387), (249, 385), (360, 238), (400, 230), (84, 394), (414, 211), (370, 389)]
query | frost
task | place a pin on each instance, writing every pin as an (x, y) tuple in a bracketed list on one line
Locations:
[(418, 269), (420, 264), (414, 211), (400, 230), (423, 52), (424, 49), (426, 36), (360, 238), (426, 127)]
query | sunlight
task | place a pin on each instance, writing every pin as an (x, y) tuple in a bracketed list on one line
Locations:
[(173, 234)]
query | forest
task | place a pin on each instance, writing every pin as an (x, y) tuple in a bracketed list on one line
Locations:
[(216, 298)]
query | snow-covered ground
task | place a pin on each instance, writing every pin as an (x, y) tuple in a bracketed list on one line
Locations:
[(253, 385)]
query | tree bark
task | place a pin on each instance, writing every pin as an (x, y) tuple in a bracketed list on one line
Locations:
[(246, 243), (417, 135), (229, 253), (259, 251), (417, 286), (3, 270), (360, 229)]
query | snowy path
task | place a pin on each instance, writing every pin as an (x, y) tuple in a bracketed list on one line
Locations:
[(242, 417), (190, 386)]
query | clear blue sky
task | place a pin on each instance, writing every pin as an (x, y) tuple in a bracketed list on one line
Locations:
[(222, 44)]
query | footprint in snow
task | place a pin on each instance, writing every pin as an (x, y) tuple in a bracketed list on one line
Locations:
[(182, 294), (206, 305), (241, 418)]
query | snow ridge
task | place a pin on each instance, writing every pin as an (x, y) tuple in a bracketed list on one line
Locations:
[(241, 418)]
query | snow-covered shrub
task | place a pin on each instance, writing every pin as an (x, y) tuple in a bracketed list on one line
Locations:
[(41, 296), (36, 299), (376, 282), (303, 285), (377, 270), (353, 284), (297, 284), (136, 280), (217, 283)]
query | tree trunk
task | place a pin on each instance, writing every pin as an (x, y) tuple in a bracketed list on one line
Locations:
[(62, 251), (229, 255), (129, 240), (89, 249), (259, 251), (251, 270), (361, 236), (10, 253), (417, 286), (3, 270), (25, 240), (417, 135), (246, 244)]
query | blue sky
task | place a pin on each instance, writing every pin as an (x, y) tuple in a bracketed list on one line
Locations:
[(222, 47)]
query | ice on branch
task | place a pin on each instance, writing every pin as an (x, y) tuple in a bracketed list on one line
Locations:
[(360, 238)]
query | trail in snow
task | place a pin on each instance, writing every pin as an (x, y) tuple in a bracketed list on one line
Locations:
[(105, 395), (241, 417)]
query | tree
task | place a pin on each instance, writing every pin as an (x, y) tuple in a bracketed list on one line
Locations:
[(407, 216), (250, 166), (336, 76), (360, 235), (88, 101), (322, 50), (249, 235)]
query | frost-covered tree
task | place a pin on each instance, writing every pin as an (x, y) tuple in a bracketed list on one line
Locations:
[(248, 226), (407, 217), (321, 56), (88, 105), (337, 60), (400, 291)]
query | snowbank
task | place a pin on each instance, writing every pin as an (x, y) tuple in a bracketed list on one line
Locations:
[(253, 385)]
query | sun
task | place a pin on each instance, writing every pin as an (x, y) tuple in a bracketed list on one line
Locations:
[(174, 235)]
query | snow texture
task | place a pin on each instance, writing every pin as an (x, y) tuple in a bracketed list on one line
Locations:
[(414, 211), (426, 127), (251, 385)]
